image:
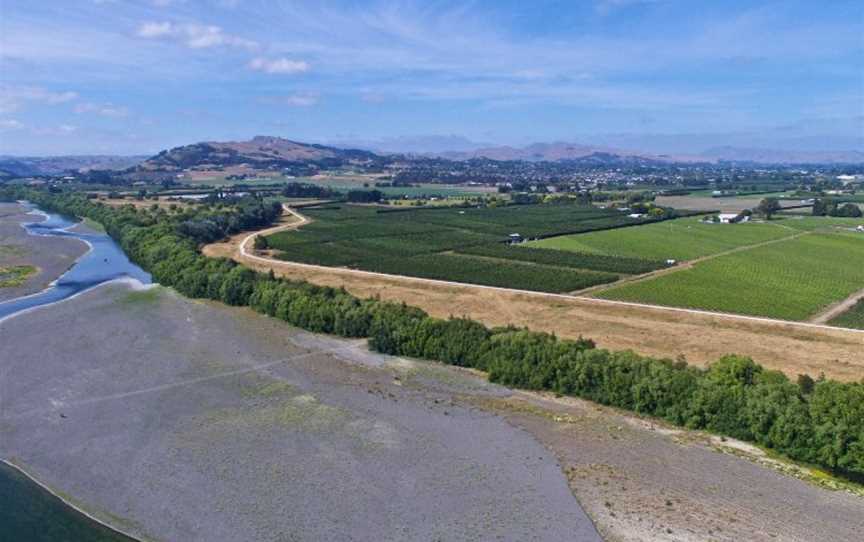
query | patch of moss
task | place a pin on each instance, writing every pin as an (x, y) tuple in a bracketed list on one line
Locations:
[(141, 297), (15, 275)]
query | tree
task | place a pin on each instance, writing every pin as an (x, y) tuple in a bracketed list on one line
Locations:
[(767, 207), (848, 210), (261, 243)]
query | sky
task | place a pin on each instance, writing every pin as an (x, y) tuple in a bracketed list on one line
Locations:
[(135, 77)]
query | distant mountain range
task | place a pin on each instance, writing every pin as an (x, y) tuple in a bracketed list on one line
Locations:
[(266, 152), (25, 166), (463, 149), (773, 156)]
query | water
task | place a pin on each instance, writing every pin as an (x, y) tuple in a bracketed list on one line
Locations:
[(31, 514), (105, 261), (28, 513)]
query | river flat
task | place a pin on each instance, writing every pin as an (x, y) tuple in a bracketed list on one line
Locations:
[(182, 420)]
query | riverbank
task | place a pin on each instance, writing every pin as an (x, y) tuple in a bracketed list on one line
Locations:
[(181, 420), (51, 256)]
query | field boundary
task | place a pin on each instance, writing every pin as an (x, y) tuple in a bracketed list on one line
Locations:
[(245, 253)]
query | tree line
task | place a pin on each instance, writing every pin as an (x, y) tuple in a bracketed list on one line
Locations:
[(816, 421)]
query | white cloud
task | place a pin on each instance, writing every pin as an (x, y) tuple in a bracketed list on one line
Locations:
[(278, 65), (155, 30), (10, 124), (193, 35), (14, 98), (299, 99), (62, 129), (105, 110)]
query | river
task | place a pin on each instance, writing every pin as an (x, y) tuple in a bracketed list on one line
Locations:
[(103, 262), (29, 512)]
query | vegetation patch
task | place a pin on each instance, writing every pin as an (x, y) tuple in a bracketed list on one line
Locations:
[(681, 239), (790, 280), (141, 297), (852, 318), (16, 275), (422, 242)]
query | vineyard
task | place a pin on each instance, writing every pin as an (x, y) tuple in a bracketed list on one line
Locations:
[(461, 244), (681, 239), (790, 279)]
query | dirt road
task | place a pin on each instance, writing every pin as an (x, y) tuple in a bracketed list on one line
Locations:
[(700, 337)]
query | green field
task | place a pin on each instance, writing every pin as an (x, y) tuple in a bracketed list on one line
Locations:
[(791, 279), (812, 223), (853, 318), (459, 244), (681, 239)]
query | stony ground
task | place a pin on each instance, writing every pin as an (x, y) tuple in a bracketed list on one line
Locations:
[(181, 420), (52, 256)]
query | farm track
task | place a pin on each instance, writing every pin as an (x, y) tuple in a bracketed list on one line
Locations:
[(836, 309), (700, 336)]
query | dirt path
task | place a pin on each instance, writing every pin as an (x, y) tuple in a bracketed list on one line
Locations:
[(700, 336), (836, 309)]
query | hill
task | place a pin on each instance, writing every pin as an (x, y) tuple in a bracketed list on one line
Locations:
[(26, 166), (260, 152)]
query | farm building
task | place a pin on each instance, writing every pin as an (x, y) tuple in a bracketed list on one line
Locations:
[(729, 218)]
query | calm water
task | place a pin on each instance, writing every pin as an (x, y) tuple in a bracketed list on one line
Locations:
[(28, 513), (105, 261)]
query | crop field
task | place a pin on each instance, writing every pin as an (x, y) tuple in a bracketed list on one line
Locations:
[(459, 244), (790, 280), (680, 239), (853, 317), (813, 223)]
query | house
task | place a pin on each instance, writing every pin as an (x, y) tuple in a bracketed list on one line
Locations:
[(515, 238), (860, 228), (729, 218)]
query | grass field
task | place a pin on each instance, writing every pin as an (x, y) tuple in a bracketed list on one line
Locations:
[(812, 223), (458, 244), (790, 279), (680, 239), (853, 318)]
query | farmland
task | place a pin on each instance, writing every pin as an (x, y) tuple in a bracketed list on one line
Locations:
[(460, 244), (680, 239), (791, 279), (853, 317)]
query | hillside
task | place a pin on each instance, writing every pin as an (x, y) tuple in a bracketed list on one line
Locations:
[(774, 156), (25, 166), (561, 151), (259, 152)]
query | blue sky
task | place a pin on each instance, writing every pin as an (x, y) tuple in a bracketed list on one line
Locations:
[(114, 76)]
